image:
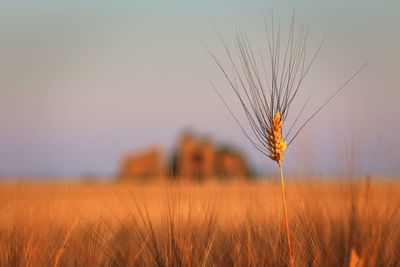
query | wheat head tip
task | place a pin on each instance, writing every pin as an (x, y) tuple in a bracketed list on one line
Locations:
[(275, 143)]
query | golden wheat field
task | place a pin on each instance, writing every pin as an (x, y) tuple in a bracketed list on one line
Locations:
[(333, 223)]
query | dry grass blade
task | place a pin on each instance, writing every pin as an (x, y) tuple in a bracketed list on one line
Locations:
[(208, 250), (64, 244), (355, 261)]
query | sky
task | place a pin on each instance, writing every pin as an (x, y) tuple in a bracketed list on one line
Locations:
[(82, 83)]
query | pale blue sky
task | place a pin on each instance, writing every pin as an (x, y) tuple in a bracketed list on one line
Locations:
[(83, 82)]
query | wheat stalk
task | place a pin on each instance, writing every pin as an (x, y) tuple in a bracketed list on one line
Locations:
[(276, 148), (266, 98)]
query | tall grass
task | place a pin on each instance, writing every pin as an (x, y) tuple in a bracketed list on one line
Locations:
[(200, 225)]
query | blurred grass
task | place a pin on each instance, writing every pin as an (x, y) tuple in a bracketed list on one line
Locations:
[(169, 224)]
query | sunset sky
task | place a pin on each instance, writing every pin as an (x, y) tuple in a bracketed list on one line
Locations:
[(84, 82)]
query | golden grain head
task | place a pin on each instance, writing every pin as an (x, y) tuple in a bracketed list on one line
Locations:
[(275, 142)]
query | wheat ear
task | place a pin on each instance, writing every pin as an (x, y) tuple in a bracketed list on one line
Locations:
[(266, 98)]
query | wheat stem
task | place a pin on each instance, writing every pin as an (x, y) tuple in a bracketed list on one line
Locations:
[(286, 217)]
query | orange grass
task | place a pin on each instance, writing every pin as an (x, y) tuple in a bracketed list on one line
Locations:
[(199, 225)]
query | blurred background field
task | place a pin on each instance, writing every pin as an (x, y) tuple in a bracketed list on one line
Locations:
[(208, 224)]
